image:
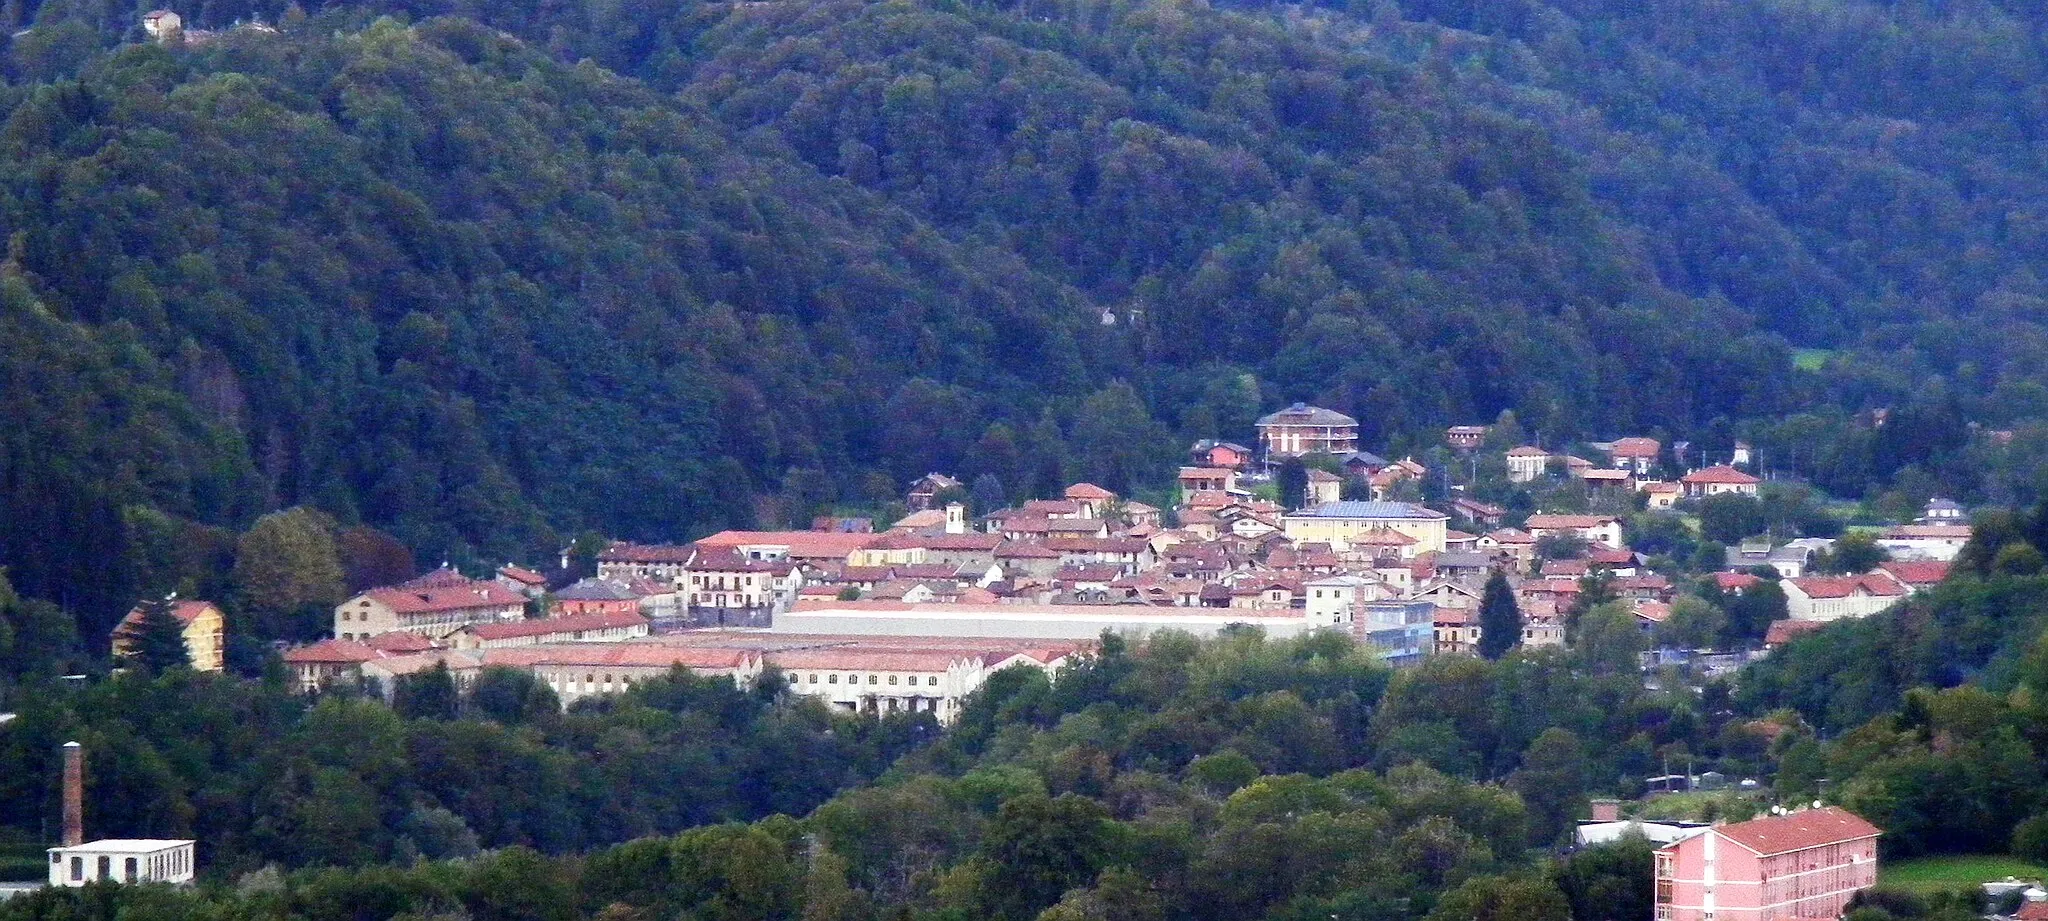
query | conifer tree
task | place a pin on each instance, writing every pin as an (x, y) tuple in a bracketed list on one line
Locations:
[(1500, 619), (157, 640)]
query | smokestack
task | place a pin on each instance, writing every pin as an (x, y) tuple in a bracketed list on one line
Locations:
[(74, 794)]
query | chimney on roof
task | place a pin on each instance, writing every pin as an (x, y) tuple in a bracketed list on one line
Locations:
[(74, 794)]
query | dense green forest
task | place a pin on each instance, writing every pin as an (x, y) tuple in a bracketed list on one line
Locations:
[(516, 272)]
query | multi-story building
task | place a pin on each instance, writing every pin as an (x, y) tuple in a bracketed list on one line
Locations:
[(724, 587), (1826, 598), (1527, 463), (1635, 455), (1340, 524), (599, 627), (432, 605), (1599, 529), (1804, 864), (1304, 429), (204, 630)]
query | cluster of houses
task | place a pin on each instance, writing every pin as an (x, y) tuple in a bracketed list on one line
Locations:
[(912, 615)]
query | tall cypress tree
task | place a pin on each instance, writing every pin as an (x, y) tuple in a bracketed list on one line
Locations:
[(1500, 619)]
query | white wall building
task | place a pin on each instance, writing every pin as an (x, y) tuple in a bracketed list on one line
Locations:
[(1025, 621), (123, 860)]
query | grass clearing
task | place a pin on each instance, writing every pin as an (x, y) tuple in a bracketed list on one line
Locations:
[(1811, 359), (1935, 874)]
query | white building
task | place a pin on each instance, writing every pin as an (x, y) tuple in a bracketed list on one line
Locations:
[(1336, 600), (902, 680), (431, 605), (1026, 621), (1826, 598), (123, 860), (1599, 529), (1527, 463), (1932, 542)]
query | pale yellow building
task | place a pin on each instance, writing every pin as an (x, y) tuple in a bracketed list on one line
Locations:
[(1339, 523), (205, 633)]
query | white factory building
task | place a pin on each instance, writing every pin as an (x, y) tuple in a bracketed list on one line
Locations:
[(123, 860), (1026, 621)]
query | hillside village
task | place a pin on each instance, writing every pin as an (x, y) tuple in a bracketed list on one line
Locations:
[(912, 615)]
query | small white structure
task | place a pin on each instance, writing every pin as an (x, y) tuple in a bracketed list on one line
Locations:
[(123, 860)]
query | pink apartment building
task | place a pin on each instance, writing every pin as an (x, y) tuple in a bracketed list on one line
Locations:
[(1804, 865)]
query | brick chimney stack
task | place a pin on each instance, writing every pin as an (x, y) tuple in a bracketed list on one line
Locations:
[(74, 794)]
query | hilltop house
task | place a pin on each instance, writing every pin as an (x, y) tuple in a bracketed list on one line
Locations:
[(924, 493), (1635, 455), (1303, 429), (1717, 481), (1835, 597), (1527, 463), (204, 630)]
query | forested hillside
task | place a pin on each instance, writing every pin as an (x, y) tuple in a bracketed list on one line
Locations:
[(518, 271)]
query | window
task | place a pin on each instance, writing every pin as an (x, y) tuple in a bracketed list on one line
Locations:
[(130, 868), (814, 678), (892, 679), (873, 679), (106, 867), (933, 681), (77, 867), (830, 679)]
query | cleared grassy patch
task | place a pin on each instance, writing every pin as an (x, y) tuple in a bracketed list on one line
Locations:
[(1935, 874), (1811, 359)]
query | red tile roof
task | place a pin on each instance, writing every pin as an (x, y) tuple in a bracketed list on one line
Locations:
[(1845, 586), (623, 552), (1559, 522), (522, 575), (554, 625), (1088, 491), (1734, 581), (1916, 573), (1023, 550), (399, 641), (801, 544), (1910, 531), (331, 652), (624, 655), (185, 611), (1636, 447), (1723, 474), (1780, 834), (1527, 451), (1785, 631), (445, 596)]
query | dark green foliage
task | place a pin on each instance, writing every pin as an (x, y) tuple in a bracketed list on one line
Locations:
[(1610, 882), (1852, 554), (1290, 480), (428, 695), (1500, 618)]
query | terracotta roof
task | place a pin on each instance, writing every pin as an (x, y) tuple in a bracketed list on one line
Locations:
[(1022, 550), (1909, 531), (1722, 474), (1096, 545), (553, 625), (445, 596), (1635, 447), (522, 575), (801, 544), (401, 641), (1527, 451), (1323, 476), (1733, 581), (1615, 475), (1655, 612), (926, 518), (1798, 831), (728, 559), (641, 655), (185, 611), (1916, 573), (2032, 911), (1512, 536), (331, 652), (981, 542), (1088, 491), (1785, 631), (1845, 586), (1559, 522), (1564, 568), (1660, 487)]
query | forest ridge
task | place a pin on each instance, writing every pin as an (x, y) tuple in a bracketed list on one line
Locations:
[(485, 277)]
